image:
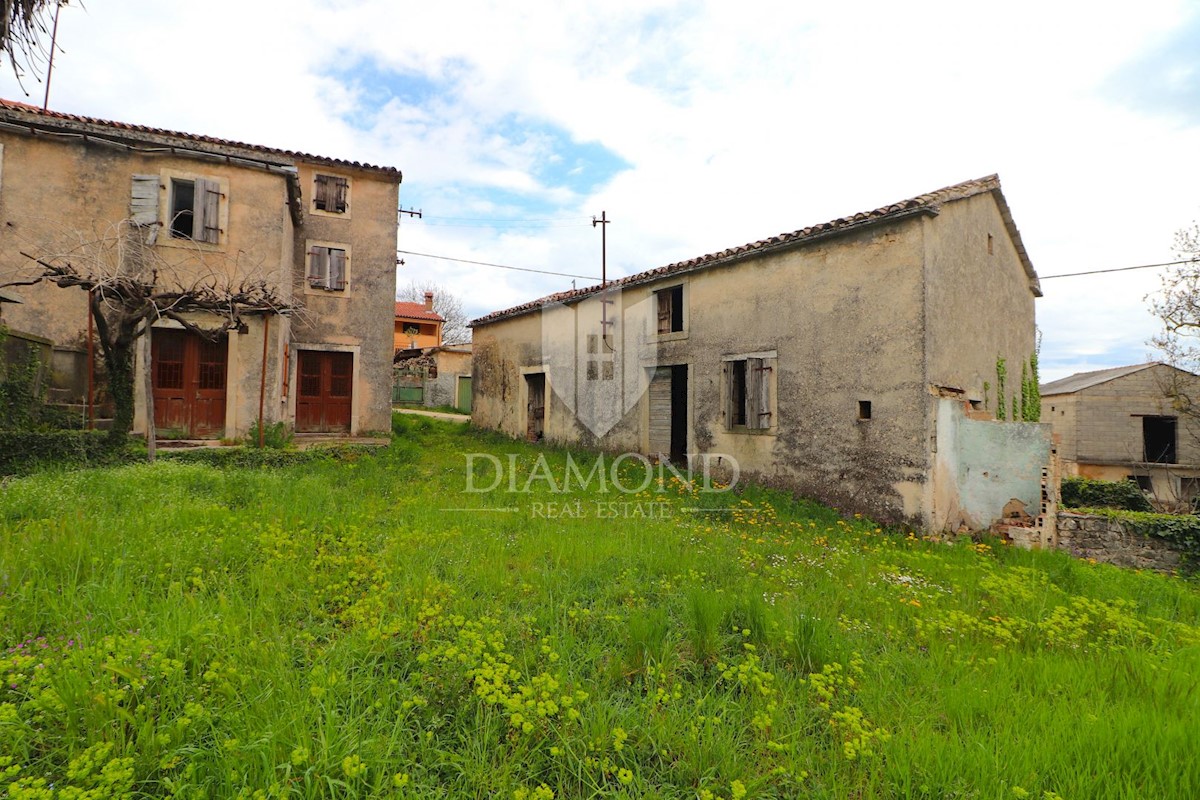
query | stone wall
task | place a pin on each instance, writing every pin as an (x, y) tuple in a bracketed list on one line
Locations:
[(1108, 540)]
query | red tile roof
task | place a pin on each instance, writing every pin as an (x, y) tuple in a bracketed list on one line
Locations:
[(928, 203), (33, 117), (416, 311)]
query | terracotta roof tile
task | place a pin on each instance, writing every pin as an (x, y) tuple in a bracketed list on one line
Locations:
[(15, 112), (925, 203), (417, 311)]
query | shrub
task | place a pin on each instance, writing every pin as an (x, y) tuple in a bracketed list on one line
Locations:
[(252, 457), (276, 436), (1084, 493), (23, 451)]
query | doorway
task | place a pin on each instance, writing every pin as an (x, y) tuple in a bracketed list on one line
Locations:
[(668, 412), (535, 409), (188, 382), (326, 391)]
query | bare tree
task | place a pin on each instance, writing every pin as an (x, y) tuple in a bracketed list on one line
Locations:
[(131, 285), (1178, 307), (22, 28), (445, 303)]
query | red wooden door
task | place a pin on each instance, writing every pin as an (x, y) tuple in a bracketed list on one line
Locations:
[(189, 376), (326, 391)]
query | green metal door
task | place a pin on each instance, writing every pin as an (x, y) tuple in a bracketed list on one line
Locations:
[(464, 394)]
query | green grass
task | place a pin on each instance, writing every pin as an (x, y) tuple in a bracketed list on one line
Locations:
[(328, 629)]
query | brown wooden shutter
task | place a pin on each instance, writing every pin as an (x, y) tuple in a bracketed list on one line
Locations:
[(660, 412), (321, 193), (318, 266), (143, 200), (337, 269), (764, 394), (208, 211), (664, 311), (727, 402), (754, 376), (340, 186)]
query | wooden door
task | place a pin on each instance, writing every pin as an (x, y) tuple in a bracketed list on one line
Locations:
[(660, 413), (189, 377), (326, 394)]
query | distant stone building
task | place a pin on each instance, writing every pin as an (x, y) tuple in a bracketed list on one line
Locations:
[(1129, 423), (841, 360), (322, 230)]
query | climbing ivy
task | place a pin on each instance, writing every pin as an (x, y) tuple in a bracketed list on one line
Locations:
[(20, 398), (1001, 373)]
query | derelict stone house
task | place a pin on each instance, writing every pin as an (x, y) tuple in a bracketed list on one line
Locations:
[(841, 360), (1126, 423), (321, 230)]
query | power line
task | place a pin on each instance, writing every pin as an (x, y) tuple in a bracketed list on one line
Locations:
[(1117, 269), (499, 266)]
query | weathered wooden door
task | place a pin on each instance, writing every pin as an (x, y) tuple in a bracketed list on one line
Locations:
[(668, 412), (326, 392), (189, 375), (464, 394)]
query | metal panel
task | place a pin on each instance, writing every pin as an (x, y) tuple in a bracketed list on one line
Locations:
[(464, 394)]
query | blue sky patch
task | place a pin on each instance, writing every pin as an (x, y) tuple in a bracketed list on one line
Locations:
[(1166, 79)]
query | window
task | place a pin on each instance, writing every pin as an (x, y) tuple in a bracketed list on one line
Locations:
[(670, 309), (748, 396), (1143, 482), (194, 210), (331, 194), (1158, 439), (327, 268), (864, 409)]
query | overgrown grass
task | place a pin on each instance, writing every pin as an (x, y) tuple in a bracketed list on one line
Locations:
[(331, 629)]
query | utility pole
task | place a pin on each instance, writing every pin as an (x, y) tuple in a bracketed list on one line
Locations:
[(53, 45), (603, 223), (605, 323)]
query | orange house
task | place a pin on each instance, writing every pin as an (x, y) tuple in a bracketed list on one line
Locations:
[(417, 325)]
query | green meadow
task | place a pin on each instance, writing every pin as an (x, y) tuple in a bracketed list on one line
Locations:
[(364, 627)]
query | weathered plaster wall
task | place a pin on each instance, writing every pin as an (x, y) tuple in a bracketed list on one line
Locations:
[(1108, 540), (361, 318), (982, 465), (443, 390), (979, 305)]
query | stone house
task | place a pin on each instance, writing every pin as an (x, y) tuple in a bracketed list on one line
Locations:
[(321, 230), (417, 325), (1129, 423), (435, 376), (841, 361)]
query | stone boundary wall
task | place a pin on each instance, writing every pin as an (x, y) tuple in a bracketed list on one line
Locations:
[(1106, 539)]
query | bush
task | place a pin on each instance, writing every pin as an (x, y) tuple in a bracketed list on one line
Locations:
[(23, 451), (1084, 493), (252, 457), (276, 436)]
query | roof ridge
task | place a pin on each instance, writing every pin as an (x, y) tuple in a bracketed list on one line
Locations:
[(50, 118), (928, 203)]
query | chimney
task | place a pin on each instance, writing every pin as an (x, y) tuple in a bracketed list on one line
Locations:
[(429, 301)]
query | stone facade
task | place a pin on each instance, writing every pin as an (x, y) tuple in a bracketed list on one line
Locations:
[(856, 330), (1110, 541), (67, 179)]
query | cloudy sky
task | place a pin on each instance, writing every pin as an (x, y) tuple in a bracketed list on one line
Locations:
[(696, 126)]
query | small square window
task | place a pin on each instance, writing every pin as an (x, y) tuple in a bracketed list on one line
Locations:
[(607, 370), (195, 210), (593, 369), (864, 409)]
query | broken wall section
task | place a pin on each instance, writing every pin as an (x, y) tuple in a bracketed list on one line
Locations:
[(987, 471)]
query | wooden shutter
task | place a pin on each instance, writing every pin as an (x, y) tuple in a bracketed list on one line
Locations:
[(337, 269), (318, 266), (664, 311), (321, 193), (727, 404), (208, 211), (764, 393), (143, 200), (340, 186), (754, 376)]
